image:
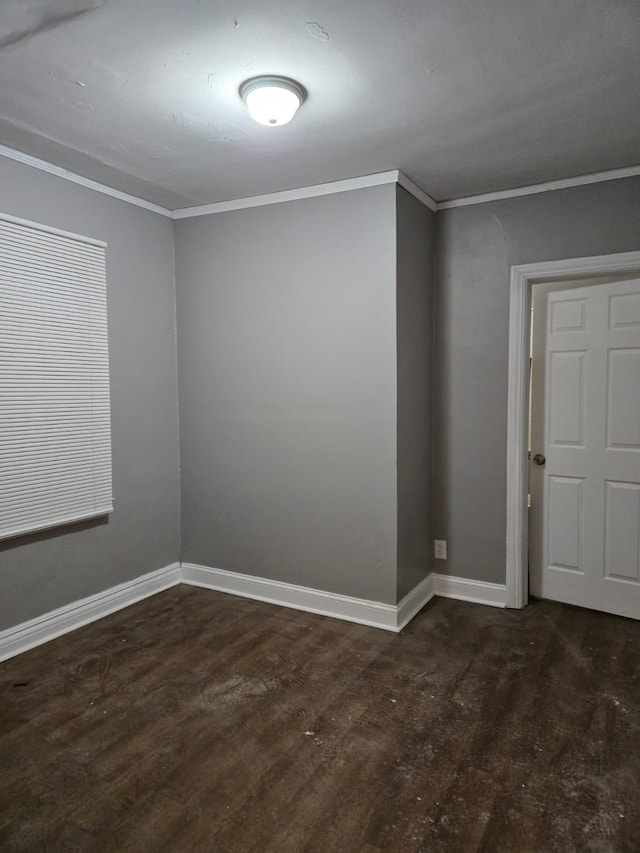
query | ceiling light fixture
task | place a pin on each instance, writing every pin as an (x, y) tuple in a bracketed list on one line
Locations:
[(272, 101)]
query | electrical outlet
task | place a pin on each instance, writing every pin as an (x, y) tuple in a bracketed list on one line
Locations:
[(440, 549)]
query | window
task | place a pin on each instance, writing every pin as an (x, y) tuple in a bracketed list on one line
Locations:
[(55, 436)]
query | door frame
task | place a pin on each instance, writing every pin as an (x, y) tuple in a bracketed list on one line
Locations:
[(523, 276)]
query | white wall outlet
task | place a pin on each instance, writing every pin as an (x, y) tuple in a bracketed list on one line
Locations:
[(440, 549)]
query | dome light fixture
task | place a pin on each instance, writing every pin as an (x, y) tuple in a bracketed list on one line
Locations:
[(272, 101)]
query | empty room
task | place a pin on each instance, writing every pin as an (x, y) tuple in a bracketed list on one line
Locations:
[(320, 426)]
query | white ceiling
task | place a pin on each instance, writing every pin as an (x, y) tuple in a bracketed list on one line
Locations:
[(463, 96)]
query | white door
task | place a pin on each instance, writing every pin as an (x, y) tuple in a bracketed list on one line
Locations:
[(584, 522)]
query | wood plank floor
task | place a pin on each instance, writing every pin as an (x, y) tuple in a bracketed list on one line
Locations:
[(195, 721)]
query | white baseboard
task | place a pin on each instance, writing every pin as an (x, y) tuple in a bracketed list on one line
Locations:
[(414, 601), (479, 592), (390, 617), (40, 630)]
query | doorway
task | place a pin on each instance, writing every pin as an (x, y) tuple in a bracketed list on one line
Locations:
[(523, 278)]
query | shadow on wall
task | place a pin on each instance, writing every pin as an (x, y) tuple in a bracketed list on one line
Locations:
[(52, 533)]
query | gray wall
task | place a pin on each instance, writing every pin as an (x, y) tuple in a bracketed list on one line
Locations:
[(476, 247), (287, 377), (415, 227), (41, 572), (303, 412)]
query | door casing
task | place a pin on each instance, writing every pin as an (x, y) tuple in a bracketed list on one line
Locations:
[(523, 276)]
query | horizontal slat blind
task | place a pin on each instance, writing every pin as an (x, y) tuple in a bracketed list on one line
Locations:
[(55, 436)]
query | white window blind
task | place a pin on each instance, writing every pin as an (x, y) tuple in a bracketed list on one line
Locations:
[(55, 436)]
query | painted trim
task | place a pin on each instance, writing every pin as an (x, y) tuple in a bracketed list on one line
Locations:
[(288, 195), (408, 185), (465, 589), (40, 630), (522, 277), (549, 186), (374, 180), (517, 580), (65, 174), (373, 613), (414, 601), (389, 617), (379, 179)]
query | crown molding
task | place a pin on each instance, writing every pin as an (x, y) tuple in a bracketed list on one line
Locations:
[(65, 174), (374, 180), (288, 195), (408, 185), (549, 186), (392, 177)]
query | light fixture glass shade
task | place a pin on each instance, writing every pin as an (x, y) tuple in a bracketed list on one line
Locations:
[(272, 101)]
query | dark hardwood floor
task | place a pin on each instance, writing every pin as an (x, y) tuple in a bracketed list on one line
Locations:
[(195, 721)]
